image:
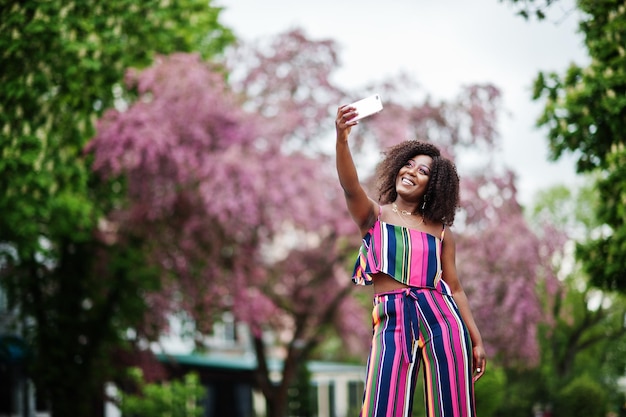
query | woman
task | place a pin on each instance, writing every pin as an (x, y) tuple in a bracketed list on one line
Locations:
[(421, 313)]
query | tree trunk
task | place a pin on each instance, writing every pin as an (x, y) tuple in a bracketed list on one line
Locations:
[(71, 388), (276, 395), (68, 403)]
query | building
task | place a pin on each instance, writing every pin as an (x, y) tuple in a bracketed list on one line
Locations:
[(336, 388), (227, 372)]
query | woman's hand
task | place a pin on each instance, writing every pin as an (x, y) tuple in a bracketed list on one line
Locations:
[(344, 123), (480, 361)]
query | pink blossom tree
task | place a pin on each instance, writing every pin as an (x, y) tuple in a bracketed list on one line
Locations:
[(509, 270), (231, 181), (238, 218)]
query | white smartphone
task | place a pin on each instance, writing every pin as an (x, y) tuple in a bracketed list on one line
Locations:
[(367, 106)]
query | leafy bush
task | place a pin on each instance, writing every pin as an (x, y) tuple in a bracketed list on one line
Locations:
[(583, 397), (171, 399)]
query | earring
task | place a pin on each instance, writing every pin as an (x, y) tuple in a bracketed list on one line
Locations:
[(424, 205)]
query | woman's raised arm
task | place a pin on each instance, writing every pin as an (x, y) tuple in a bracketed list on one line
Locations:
[(362, 208)]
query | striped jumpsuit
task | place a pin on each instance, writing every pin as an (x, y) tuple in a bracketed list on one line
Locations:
[(413, 325)]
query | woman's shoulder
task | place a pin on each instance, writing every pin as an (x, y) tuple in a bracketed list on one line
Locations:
[(447, 237)]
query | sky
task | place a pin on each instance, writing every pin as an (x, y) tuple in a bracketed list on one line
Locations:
[(444, 44)]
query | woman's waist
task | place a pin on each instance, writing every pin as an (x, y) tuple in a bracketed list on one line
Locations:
[(386, 283)]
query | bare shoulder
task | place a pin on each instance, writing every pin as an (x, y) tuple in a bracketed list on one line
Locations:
[(449, 234), (449, 243)]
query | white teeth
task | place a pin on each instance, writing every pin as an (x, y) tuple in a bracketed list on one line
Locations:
[(405, 181)]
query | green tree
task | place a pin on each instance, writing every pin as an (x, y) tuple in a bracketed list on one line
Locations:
[(585, 113), (76, 290), (586, 332)]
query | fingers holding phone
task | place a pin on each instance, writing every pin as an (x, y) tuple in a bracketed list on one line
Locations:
[(350, 114), (345, 121)]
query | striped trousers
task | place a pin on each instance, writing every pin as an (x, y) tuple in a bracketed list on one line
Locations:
[(412, 326)]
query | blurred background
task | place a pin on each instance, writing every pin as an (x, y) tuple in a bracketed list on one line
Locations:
[(174, 240)]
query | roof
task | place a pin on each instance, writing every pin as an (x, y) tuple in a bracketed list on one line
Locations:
[(248, 362), (243, 363)]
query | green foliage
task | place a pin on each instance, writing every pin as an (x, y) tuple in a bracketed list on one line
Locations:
[(77, 283), (583, 397), (171, 399), (585, 113), (60, 61), (529, 9), (585, 333), (585, 107), (419, 408), (524, 388), (490, 391), (301, 399), (603, 257)]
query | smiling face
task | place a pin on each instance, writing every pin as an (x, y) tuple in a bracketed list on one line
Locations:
[(413, 177)]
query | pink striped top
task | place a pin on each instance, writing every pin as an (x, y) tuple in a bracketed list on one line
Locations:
[(409, 256)]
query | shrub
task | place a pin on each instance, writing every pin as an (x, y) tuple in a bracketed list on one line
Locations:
[(583, 397)]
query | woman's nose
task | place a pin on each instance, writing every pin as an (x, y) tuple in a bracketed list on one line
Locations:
[(412, 170)]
